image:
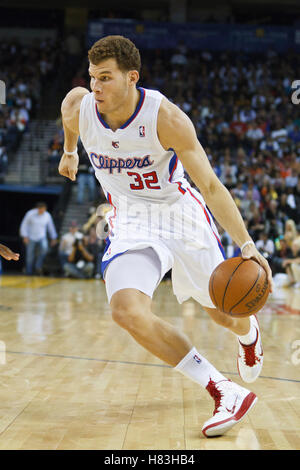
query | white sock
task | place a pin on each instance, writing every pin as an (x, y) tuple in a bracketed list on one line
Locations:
[(250, 337), (197, 368)]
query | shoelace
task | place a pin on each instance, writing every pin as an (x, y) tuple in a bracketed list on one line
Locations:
[(216, 394), (250, 357)]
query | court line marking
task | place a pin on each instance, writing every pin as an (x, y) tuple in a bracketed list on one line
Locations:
[(112, 361)]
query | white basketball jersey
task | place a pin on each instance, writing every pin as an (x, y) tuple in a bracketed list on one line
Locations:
[(131, 161)]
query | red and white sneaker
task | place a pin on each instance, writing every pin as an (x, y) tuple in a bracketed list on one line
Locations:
[(232, 403), (250, 357)]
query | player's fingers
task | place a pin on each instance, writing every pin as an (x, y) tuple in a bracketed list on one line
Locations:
[(10, 255), (72, 175), (267, 268), (247, 254)]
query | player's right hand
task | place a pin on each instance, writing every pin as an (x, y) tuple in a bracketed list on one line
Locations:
[(68, 166), (8, 254)]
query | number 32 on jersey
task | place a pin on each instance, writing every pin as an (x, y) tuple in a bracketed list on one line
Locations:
[(149, 180)]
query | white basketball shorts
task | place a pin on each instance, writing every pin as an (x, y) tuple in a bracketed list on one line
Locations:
[(183, 237)]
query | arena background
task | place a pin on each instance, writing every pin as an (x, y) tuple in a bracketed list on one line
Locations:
[(43, 55)]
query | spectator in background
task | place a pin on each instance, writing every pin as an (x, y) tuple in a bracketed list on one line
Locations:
[(3, 163), (85, 177), (96, 247), (55, 151), (66, 243), (292, 264), (265, 245), (254, 132), (34, 227), (81, 261), (281, 252), (270, 145), (19, 117), (290, 232)]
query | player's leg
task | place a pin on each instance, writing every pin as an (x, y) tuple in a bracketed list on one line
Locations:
[(130, 281), (239, 326), (131, 309), (247, 331)]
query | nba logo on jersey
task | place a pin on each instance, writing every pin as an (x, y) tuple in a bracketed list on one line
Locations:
[(115, 144), (197, 359), (142, 131)]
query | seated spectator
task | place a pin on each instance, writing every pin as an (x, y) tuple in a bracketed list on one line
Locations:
[(256, 225), (19, 117), (254, 132), (294, 134), (270, 145), (66, 243), (292, 264), (290, 232), (81, 262), (279, 134), (281, 252), (247, 114), (265, 245)]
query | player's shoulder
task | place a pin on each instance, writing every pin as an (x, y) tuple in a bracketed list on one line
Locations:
[(73, 99), (170, 114), (173, 123)]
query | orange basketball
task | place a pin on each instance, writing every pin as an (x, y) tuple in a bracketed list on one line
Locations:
[(239, 287)]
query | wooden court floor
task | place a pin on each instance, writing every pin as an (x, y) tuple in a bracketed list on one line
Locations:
[(72, 379)]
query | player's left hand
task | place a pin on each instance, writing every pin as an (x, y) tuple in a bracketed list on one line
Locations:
[(8, 254), (250, 251)]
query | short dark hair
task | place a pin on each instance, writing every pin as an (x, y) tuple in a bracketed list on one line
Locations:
[(119, 48), (41, 204)]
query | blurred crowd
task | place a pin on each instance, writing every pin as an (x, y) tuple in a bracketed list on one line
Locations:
[(241, 106), (25, 70)]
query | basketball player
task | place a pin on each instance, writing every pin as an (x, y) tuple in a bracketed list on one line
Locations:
[(138, 143), (8, 254)]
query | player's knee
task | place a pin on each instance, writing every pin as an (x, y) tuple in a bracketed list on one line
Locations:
[(128, 313), (127, 318)]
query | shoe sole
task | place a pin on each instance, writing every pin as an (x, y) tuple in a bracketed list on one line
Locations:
[(221, 427)]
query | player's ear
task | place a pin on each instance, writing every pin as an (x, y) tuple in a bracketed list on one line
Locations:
[(133, 77)]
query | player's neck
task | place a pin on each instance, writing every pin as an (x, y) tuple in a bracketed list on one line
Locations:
[(117, 118)]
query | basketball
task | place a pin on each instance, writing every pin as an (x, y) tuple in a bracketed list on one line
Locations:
[(239, 287)]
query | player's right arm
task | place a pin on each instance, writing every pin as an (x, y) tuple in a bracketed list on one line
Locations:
[(70, 109)]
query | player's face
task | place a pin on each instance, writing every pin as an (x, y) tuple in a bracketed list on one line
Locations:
[(109, 84)]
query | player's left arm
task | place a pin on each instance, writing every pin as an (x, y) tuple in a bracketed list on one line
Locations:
[(176, 131)]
